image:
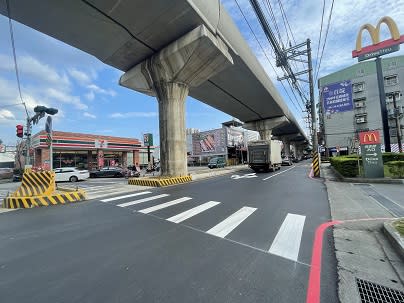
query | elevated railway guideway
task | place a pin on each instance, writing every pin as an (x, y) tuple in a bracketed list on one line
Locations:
[(169, 49)]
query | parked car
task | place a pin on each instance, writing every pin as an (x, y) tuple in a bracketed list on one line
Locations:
[(216, 162), (112, 172), (286, 160), (71, 174), (6, 173)]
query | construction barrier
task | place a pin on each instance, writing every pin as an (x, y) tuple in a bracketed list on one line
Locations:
[(44, 200), (159, 182), (36, 184), (316, 165), (38, 189)]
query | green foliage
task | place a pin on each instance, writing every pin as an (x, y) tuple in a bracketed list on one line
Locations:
[(399, 225), (388, 157), (346, 165), (396, 168)]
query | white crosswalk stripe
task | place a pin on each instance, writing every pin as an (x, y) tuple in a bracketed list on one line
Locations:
[(126, 196), (287, 241), (164, 205), (142, 200), (227, 225), (100, 191), (192, 212)]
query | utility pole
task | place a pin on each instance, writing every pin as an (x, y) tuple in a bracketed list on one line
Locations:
[(312, 103), (397, 118)]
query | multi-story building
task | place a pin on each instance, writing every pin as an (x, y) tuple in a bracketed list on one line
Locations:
[(350, 103)]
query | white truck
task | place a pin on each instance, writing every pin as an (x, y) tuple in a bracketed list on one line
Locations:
[(264, 155)]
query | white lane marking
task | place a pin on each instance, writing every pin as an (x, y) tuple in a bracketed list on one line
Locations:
[(284, 171), (192, 212), (227, 225), (164, 205), (142, 200), (126, 196), (288, 238), (247, 176)]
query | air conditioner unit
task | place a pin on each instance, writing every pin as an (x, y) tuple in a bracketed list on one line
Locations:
[(390, 112), (359, 104)]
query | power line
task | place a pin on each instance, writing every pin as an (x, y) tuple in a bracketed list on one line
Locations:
[(319, 37), (325, 39), (264, 52), (14, 55)]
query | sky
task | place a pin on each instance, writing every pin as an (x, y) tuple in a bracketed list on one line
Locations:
[(89, 99)]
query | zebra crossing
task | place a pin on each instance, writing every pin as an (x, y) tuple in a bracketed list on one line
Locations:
[(286, 243), (100, 191)]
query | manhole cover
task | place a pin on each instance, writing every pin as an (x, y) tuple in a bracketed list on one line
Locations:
[(375, 293)]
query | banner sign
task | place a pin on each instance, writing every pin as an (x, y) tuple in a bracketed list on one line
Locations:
[(371, 154), (337, 97)]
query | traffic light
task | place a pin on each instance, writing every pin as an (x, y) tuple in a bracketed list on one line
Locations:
[(20, 131)]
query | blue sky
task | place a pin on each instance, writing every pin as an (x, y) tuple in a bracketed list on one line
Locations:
[(87, 93)]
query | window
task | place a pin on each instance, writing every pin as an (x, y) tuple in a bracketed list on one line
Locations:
[(390, 80), (358, 87), (359, 103), (392, 65), (360, 72), (362, 118), (389, 96)]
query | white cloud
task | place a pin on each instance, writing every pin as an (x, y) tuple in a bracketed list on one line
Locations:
[(80, 76), (88, 115), (134, 115), (90, 96), (99, 90), (65, 98), (6, 114)]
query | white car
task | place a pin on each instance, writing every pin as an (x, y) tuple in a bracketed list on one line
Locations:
[(71, 174)]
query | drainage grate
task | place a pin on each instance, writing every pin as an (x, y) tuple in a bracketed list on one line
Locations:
[(375, 293)]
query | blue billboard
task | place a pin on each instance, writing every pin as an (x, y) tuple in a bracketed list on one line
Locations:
[(337, 97)]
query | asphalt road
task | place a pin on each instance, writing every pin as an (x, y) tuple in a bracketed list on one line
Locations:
[(101, 252)]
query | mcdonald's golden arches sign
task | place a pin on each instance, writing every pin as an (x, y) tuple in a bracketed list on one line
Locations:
[(378, 47), (371, 137)]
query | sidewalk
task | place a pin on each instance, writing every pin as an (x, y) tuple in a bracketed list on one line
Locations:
[(362, 249)]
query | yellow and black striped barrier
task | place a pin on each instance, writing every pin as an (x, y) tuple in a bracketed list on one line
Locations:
[(159, 182), (36, 184), (316, 165), (44, 200)]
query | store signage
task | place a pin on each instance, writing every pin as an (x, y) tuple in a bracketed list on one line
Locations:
[(337, 97), (99, 143), (148, 139), (378, 47), (371, 154)]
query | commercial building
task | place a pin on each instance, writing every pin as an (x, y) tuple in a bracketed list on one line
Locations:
[(350, 103), (86, 150), (229, 142)]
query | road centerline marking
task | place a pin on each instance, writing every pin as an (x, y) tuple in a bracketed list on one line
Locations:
[(164, 205), (142, 200), (278, 173), (287, 241), (227, 225)]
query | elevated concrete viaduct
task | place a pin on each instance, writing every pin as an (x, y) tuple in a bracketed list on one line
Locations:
[(169, 49)]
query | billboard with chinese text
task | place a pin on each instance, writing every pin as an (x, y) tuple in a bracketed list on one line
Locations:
[(337, 97)]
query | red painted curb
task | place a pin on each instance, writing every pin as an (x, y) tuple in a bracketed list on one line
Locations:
[(314, 287)]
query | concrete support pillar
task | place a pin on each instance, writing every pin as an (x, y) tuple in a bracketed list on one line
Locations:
[(286, 146), (265, 134), (89, 160), (173, 146), (168, 75), (265, 127)]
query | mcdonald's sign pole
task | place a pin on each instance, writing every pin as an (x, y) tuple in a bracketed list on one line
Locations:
[(371, 154), (376, 50)]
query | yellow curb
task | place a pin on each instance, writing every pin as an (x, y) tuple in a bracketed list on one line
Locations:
[(159, 182)]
